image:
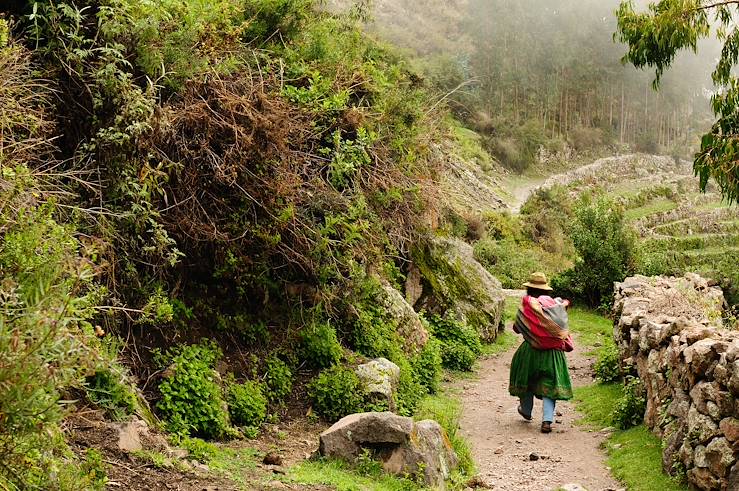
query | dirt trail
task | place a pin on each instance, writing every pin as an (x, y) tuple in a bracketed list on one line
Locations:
[(522, 191), (502, 442)]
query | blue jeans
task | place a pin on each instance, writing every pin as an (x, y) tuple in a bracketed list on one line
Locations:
[(527, 405)]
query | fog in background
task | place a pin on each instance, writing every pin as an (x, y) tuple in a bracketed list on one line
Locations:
[(549, 67)]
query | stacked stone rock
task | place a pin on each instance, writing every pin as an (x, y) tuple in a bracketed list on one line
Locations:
[(670, 331)]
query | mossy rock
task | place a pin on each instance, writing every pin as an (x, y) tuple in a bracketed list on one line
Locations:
[(456, 281), (411, 330)]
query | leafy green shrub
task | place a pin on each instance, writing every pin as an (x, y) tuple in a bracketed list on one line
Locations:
[(427, 365), (191, 398), (447, 328), (197, 449), (94, 470), (606, 250), (460, 344), (629, 410), (410, 389), (47, 344), (110, 390), (546, 216), (607, 366), (278, 379), (247, 404), (269, 17), (375, 334), (335, 393), (502, 225), (320, 347), (457, 356), (367, 465), (252, 333)]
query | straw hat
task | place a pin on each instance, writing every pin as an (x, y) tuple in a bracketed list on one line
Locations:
[(538, 280)]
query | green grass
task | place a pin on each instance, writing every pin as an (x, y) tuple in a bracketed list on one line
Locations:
[(596, 402), (592, 329), (236, 463), (505, 341), (510, 308), (713, 205), (658, 206), (446, 409), (714, 250), (634, 455), (342, 477), (635, 458)]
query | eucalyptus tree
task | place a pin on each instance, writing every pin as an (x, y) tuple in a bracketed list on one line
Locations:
[(656, 35)]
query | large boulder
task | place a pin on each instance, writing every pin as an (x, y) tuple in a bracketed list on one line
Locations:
[(403, 446), (460, 284), (410, 327), (380, 379)]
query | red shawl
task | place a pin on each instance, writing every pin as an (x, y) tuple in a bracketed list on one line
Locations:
[(543, 322)]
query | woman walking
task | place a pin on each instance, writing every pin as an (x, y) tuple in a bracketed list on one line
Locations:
[(539, 367)]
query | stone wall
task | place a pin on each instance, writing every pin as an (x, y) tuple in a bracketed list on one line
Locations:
[(669, 330)]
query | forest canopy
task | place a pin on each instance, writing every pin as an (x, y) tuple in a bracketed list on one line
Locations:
[(534, 73)]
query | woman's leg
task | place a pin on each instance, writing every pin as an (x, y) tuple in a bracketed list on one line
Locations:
[(527, 405), (549, 405)]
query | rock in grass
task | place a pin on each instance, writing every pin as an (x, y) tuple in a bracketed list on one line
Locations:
[(459, 281), (410, 328), (380, 379), (403, 446), (272, 459)]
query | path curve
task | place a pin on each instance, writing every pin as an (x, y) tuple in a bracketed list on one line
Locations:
[(502, 441), (521, 191)]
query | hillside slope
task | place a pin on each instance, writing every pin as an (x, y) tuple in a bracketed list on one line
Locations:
[(209, 211)]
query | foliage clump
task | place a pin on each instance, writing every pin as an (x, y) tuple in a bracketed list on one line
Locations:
[(109, 389), (191, 401), (247, 403), (629, 410), (460, 344), (606, 252), (427, 365), (607, 367), (278, 379), (336, 392), (320, 346), (48, 297)]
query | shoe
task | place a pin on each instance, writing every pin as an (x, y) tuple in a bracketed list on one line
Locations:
[(546, 427), (523, 414)]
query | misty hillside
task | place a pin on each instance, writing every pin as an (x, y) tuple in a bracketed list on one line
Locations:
[(283, 244), (529, 73)]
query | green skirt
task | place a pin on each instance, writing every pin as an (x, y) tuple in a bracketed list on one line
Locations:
[(542, 373)]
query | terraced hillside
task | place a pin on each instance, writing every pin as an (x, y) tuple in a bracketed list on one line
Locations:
[(680, 229)]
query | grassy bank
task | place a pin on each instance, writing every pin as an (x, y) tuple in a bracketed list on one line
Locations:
[(634, 455), (445, 407)]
